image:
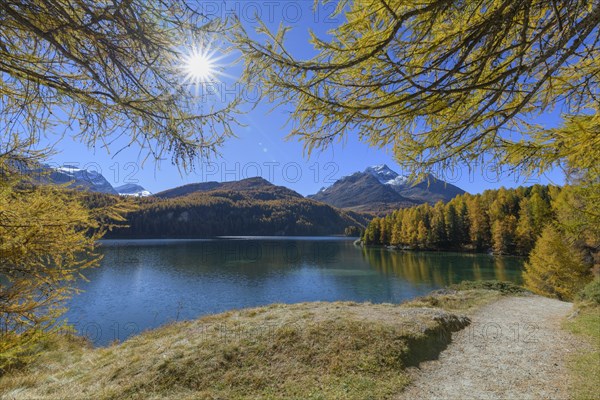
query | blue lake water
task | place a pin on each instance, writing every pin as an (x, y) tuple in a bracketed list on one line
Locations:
[(142, 284)]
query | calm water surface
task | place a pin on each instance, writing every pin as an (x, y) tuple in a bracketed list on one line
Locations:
[(143, 284)]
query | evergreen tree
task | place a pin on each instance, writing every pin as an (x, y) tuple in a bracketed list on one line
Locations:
[(384, 232), (438, 226), (503, 237), (464, 224), (479, 230), (452, 225), (526, 233)]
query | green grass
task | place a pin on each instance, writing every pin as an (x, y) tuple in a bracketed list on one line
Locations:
[(585, 367), (500, 286), (298, 351), (590, 293)]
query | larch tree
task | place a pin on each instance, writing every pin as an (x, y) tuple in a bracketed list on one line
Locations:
[(422, 234), (478, 222), (98, 71), (444, 82), (396, 228), (48, 237), (526, 233), (556, 268)]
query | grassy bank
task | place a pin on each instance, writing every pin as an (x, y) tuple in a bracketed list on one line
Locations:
[(302, 351), (585, 367)]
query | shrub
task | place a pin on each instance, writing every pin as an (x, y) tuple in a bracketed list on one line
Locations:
[(500, 286), (591, 292)]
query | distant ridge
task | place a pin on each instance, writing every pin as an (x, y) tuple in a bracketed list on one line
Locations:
[(254, 183), (247, 207)]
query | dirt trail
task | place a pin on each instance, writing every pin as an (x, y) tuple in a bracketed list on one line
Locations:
[(514, 349)]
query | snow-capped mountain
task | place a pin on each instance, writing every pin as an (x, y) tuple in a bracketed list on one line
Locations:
[(78, 178), (383, 173), (132, 189), (83, 179), (379, 189)]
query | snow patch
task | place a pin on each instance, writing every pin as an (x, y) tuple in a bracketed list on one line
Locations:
[(132, 189), (142, 193), (400, 180), (382, 172)]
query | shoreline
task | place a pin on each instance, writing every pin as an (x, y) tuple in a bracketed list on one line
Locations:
[(398, 248), (321, 349)]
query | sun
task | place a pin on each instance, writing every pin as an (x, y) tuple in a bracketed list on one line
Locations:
[(200, 67)]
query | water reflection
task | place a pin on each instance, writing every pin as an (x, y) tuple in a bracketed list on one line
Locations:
[(144, 284), (442, 269)]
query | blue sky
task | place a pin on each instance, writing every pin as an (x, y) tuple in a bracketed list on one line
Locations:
[(260, 148)]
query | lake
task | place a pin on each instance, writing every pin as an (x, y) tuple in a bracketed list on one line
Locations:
[(142, 284)]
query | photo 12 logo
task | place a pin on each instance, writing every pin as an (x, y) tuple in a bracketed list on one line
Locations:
[(290, 12), (272, 171)]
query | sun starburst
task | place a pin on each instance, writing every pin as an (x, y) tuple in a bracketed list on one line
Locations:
[(201, 65), (200, 68)]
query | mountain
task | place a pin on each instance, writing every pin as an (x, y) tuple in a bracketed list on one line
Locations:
[(81, 179), (76, 178), (430, 190), (251, 206), (249, 184), (248, 207), (187, 189), (362, 192), (131, 189), (385, 175), (379, 189)]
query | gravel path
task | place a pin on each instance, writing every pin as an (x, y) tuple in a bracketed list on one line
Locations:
[(513, 349)]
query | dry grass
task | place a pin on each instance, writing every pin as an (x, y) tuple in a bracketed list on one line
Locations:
[(299, 351), (463, 301)]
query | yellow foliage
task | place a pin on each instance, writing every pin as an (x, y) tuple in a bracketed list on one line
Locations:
[(555, 267), (444, 82), (47, 238), (104, 68)]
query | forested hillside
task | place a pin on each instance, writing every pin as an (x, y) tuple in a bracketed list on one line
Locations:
[(253, 208), (507, 221)]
